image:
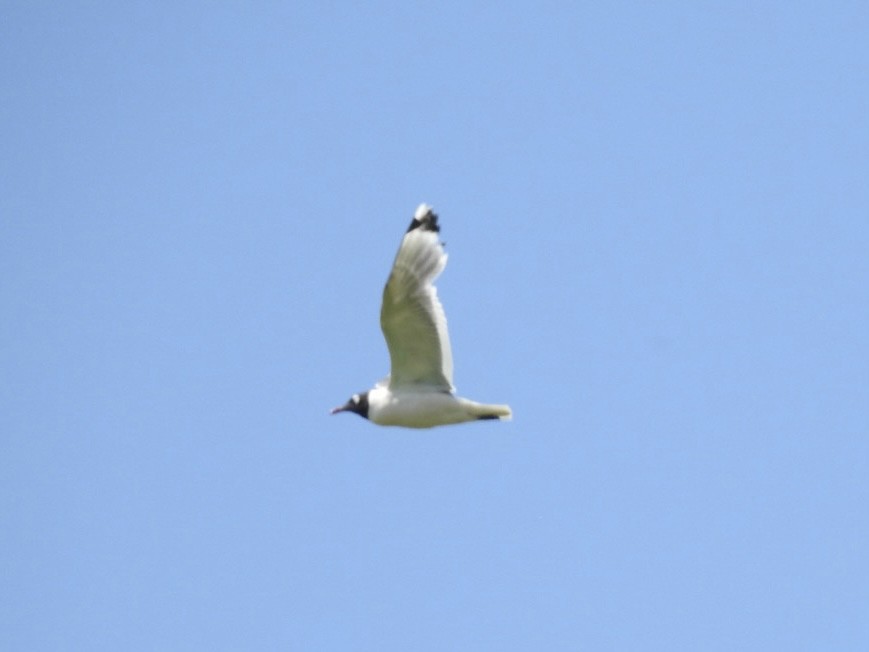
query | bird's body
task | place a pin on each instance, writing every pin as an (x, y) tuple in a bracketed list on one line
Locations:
[(424, 408), (419, 391)]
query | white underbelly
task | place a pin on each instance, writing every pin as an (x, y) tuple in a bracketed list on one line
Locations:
[(420, 410)]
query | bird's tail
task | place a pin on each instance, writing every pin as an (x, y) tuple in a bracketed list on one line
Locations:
[(483, 411)]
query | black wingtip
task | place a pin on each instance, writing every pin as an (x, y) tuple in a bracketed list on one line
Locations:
[(425, 219)]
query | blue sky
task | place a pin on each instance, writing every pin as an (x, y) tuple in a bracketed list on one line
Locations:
[(658, 228)]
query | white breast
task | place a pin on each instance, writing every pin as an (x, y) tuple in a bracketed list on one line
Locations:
[(415, 409)]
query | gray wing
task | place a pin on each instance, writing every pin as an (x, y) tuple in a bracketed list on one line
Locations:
[(412, 318)]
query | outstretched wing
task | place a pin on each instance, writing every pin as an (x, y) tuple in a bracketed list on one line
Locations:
[(412, 317)]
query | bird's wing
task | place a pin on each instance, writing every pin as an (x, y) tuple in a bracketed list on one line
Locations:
[(412, 318)]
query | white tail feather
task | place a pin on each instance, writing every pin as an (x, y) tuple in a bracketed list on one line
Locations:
[(484, 411)]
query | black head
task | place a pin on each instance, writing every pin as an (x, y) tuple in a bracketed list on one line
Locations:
[(358, 403)]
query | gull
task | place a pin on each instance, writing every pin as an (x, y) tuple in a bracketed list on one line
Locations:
[(419, 392)]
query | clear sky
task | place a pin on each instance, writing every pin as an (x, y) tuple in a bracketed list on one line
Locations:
[(658, 228)]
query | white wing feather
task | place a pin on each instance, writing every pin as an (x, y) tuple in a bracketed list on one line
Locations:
[(411, 317)]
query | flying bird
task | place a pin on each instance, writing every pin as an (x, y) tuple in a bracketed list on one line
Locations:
[(419, 392)]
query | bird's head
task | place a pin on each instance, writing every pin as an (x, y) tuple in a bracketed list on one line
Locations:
[(358, 403)]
